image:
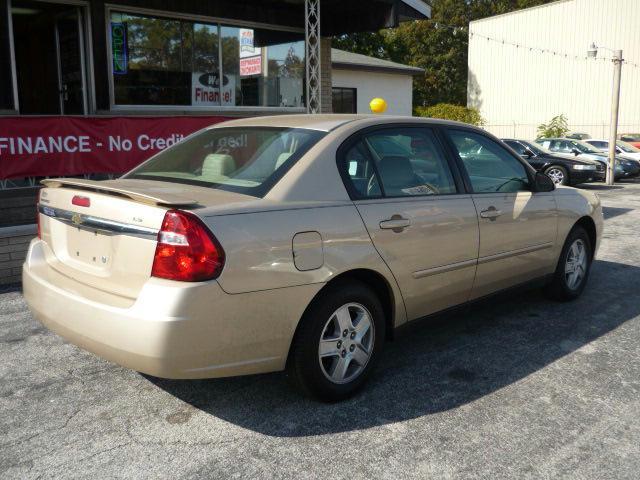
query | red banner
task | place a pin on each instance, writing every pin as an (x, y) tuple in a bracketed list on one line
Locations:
[(51, 146)]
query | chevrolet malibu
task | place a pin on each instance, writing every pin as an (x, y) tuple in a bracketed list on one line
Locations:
[(298, 242)]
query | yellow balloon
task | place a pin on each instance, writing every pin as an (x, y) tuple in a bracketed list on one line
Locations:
[(378, 105)]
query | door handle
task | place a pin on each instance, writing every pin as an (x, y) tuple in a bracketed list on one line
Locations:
[(491, 213), (396, 223)]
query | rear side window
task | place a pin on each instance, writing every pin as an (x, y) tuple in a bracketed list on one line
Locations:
[(518, 147), (247, 160), (491, 168), (397, 163)]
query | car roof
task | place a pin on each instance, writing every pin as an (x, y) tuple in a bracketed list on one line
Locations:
[(328, 122)]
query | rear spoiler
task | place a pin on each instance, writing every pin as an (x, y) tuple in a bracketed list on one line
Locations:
[(143, 193)]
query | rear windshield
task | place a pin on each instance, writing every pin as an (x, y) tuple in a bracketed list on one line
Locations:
[(247, 160)]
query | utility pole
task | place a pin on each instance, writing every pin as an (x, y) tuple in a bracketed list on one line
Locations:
[(592, 52), (615, 106)]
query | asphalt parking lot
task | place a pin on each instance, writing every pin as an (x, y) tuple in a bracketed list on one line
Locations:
[(521, 388)]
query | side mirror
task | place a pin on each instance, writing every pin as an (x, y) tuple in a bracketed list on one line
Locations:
[(575, 151), (543, 183), (527, 153)]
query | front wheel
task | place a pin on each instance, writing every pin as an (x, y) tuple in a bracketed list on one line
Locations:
[(338, 341), (573, 267), (558, 174)]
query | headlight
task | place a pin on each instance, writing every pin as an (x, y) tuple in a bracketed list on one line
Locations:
[(584, 167)]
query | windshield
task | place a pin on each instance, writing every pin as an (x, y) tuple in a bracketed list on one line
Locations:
[(627, 147), (585, 147), (247, 160)]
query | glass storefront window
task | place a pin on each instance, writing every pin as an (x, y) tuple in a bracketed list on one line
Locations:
[(156, 60), (266, 66), (161, 61)]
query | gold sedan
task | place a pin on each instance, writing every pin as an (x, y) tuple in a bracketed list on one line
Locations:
[(298, 242)]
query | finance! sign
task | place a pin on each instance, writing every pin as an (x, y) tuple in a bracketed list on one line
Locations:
[(119, 51)]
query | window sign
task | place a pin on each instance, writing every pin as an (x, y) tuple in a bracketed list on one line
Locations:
[(246, 43), (205, 89), (250, 57), (119, 48), (250, 66)]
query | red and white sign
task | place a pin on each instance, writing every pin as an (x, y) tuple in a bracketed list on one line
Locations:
[(205, 90), (43, 146), (250, 66)]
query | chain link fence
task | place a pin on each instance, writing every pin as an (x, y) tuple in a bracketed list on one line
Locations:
[(527, 131)]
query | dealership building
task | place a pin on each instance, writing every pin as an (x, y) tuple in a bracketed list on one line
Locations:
[(160, 56), (93, 88), (527, 66)]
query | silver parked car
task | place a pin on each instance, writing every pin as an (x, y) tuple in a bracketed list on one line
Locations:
[(298, 242)]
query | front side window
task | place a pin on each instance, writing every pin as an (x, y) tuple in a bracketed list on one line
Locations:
[(167, 61), (491, 168), (246, 160), (397, 163)]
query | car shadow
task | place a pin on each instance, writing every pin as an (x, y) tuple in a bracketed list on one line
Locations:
[(611, 212), (442, 365)]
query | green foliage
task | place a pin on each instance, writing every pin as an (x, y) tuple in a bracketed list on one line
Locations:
[(441, 52), (557, 127), (451, 112)]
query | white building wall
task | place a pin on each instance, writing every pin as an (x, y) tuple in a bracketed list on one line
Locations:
[(519, 87), (396, 89)]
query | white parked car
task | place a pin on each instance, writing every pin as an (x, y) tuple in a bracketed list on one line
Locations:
[(623, 149)]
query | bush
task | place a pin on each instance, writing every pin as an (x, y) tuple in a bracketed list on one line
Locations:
[(557, 127), (448, 111)]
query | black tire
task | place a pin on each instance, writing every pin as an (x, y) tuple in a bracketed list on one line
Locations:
[(560, 288), (562, 171), (306, 369)]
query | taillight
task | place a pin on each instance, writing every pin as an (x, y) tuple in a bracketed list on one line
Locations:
[(38, 214), (186, 250)]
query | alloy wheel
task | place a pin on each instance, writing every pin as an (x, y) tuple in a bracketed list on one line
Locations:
[(346, 343), (556, 175), (575, 268)]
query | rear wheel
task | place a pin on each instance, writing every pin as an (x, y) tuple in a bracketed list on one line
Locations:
[(573, 268), (558, 174), (338, 341)]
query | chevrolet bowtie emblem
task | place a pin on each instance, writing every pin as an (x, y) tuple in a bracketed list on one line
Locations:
[(76, 219)]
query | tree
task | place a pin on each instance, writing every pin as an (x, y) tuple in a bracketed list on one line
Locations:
[(557, 127)]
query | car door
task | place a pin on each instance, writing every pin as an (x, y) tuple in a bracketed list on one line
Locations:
[(422, 225), (518, 226)]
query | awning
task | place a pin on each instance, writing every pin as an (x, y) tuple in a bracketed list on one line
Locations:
[(337, 16), (348, 16)]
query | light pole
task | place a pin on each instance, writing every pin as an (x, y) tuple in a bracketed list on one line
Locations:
[(615, 106)]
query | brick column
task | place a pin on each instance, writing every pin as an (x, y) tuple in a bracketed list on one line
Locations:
[(325, 80)]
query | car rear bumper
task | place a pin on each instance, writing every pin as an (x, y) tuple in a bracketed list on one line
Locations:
[(172, 329)]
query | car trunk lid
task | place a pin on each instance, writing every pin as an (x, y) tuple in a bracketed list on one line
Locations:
[(103, 234)]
